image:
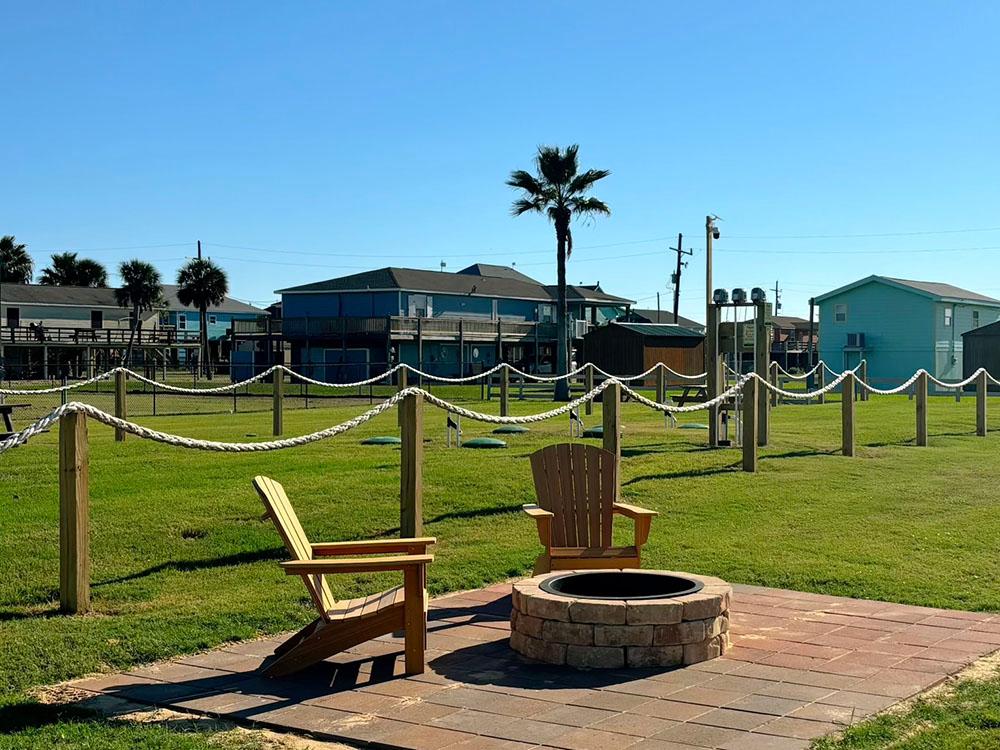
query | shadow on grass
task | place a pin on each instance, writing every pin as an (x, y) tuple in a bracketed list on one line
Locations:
[(225, 561), (686, 474), (30, 714), (459, 514)]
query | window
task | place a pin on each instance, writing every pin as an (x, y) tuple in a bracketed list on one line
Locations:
[(97, 319), (975, 318), (212, 320), (13, 317), (545, 313), (182, 322), (947, 317), (840, 313)]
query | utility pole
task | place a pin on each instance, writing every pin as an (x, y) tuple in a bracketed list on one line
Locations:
[(199, 249), (777, 298), (676, 279), (712, 370), (658, 308)]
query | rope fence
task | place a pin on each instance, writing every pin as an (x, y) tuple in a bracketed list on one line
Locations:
[(743, 398)]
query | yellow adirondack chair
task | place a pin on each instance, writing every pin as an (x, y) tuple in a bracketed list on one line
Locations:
[(576, 486), (342, 624)]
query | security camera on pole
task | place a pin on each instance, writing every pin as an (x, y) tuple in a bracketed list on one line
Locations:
[(713, 362)]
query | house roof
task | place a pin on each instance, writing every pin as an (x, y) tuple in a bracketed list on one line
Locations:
[(441, 282), (80, 296), (990, 329), (42, 294), (229, 305), (503, 272), (934, 289), (788, 321), (669, 330), (665, 316)]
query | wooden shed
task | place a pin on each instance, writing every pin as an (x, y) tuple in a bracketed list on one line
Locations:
[(631, 348), (981, 348)]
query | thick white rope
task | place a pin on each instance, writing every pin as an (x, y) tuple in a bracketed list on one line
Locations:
[(58, 388), (802, 376), (179, 441), (804, 394)]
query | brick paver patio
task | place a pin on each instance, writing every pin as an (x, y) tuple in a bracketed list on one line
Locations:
[(803, 665)]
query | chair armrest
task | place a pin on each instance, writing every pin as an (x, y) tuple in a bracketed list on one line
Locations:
[(633, 511), (416, 546), (642, 518), (355, 565), (543, 518), (535, 512)]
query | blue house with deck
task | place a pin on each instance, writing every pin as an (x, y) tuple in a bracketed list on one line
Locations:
[(900, 326), (449, 324)]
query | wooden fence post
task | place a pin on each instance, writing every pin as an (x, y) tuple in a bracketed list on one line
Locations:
[(921, 386), (588, 407), (863, 392), (504, 391), (278, 402), (411, 482), (847, 414), (661, 383), (821, 383), (74, 514), (751, 414), (773, 367), (982, 392), (401, 378), (121, 403), (611, 412)]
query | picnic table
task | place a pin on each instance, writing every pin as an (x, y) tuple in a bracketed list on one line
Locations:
[(6, 410), (693, 394)]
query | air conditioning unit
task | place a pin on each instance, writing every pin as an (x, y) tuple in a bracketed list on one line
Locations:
[(856, 341), (580, 328)]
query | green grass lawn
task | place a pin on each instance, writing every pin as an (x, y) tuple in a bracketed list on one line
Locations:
[(182, 561)]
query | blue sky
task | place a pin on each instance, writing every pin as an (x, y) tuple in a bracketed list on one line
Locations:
[(351, 137)]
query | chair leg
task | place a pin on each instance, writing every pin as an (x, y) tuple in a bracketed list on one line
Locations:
[(543, 564), (415, 619), (296, 639)]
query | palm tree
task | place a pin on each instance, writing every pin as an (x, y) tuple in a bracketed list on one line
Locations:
[(141, 291), (558, 190), (202, 284), (66, 270), (16, 265)]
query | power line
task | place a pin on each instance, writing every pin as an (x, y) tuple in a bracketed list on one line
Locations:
[(849, 236), (858, 252)]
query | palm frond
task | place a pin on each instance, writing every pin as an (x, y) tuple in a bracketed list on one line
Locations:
[(202, 284), (527, 205), (583, 182), (589, 205), (556, 166), (521, 180)]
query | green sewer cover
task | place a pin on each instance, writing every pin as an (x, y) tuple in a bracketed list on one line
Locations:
[(510, 429), (692, 426), (484, 442), (596, 432), (382, 440)]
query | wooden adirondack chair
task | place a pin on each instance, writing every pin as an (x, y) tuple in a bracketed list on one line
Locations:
[(576, 486), (343, 624)]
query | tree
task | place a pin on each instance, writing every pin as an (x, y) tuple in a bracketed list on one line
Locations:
[(559, 190), (16, 265), (202, 284), (66, 270), (141, 291)]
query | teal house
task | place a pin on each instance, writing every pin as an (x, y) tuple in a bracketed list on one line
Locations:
[(900, 326), (220, 321)]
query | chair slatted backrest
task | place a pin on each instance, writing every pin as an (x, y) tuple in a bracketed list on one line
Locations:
[(295, 539), (576, 483)]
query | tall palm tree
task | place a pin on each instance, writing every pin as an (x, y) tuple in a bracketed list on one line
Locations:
[(559, 190), (140, 291), (16, 265), (202, 284), (66, 270)]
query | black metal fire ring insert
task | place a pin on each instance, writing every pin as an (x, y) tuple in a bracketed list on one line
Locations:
[(620, 584)]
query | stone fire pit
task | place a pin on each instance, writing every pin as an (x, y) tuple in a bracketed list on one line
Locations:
[(607, 619)]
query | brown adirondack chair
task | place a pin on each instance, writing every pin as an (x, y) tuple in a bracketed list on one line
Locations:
[(577, 487), (347, 623)]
